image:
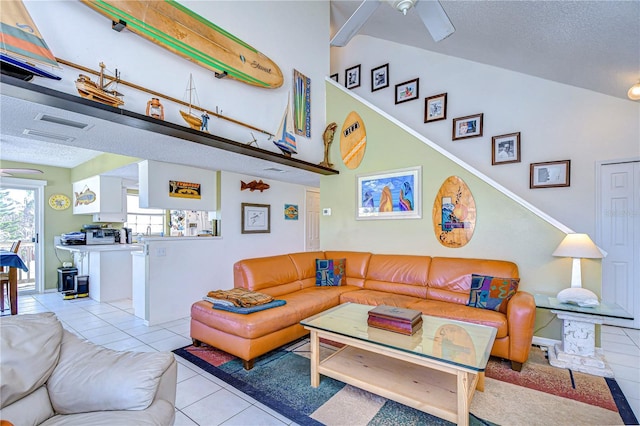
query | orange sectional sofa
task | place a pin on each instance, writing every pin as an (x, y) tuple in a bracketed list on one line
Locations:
[(437, 286)]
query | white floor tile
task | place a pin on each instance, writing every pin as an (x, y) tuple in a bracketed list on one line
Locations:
[(155, 336), (606, 338), (93, 332), (184, 372), (612, 330), (622, 359), (227, 405), (183, 420), (625, 372), (622, 348), (170, 344), (192, 390), (630, 388), (273, 413), (103, 339), (123, 345), (253, 416)]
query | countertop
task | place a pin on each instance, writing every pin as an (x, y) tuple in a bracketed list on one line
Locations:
[(101, 247)]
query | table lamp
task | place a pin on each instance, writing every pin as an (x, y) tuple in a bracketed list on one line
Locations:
[(578, 246)]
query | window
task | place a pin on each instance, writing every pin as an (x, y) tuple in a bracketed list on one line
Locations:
[(144, 221)]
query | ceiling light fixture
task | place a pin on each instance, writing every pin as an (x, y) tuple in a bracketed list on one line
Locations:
[(634, 92)]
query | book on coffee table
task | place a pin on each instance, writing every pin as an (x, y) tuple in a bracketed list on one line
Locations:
[(391, 318)]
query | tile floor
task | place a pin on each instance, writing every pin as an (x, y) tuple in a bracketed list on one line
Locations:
[(202, 399)]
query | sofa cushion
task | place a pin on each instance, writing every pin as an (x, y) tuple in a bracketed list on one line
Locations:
[(127, 380), (329, 272), (492, 292), (305, 264), (375, 298), (30, 349), (33, 409), (356, 266), (161, 412), (400, 274), (273, 275)]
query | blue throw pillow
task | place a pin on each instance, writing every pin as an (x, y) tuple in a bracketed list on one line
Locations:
[(329, 272), (492, 292)]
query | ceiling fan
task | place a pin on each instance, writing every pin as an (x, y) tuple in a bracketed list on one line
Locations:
[(11, 172), (430, 11)]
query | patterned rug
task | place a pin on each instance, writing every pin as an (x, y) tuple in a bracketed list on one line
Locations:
[(539, 394)]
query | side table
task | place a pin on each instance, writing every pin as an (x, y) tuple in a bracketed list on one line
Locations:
[(578, 351)]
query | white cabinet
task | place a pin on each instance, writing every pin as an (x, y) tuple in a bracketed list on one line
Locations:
[(102, 196)]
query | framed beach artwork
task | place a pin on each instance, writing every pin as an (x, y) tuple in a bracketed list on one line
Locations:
[(467, 127), (394, 194), (380, 77), (301, 104), (352, 77), (256, 218), (505, 149), (435, 108), (407, 91), (550, 174)]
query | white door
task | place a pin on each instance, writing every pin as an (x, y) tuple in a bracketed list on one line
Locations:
[(619, 235), (312, 221)]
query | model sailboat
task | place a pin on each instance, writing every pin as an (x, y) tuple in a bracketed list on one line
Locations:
[(189, 116), (287, 142), (22, 45)]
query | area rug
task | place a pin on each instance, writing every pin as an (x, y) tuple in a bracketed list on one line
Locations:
[(539, 394)]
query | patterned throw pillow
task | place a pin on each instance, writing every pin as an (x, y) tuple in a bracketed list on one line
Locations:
[(492, 292), (329, 272)]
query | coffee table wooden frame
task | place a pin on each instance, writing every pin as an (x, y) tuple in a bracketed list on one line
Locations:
[(435, 387)]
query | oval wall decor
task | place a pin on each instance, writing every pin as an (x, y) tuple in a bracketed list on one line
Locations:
[(454, 213), (353, 140)]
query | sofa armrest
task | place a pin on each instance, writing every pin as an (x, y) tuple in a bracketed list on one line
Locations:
[(521, 316)]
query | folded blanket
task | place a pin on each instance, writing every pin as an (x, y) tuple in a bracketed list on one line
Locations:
[(251, 309), (218, 301), (241, 297)]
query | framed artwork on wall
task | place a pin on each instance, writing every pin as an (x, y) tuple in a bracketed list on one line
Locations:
[(467, 127), (394, 194), (256, 218), (550, 174), (334, 77), (352, 77), (435, 108), (505, 149), (380, 77), (407, 91)]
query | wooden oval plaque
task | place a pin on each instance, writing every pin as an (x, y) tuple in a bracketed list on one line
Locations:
[(454, 213), (353, 140)]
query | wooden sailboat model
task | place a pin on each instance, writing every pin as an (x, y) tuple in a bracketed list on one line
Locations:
[(100, 91), (22, 47), (287, 141), (189, 116)]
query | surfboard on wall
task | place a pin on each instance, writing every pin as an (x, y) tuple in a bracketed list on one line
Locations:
[(187, 34), (454, 213), (353, 140)]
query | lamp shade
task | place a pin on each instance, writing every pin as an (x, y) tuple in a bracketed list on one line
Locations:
[(634, 92), (578, 246)]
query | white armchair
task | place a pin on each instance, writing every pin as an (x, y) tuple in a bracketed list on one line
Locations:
[(49, 376)]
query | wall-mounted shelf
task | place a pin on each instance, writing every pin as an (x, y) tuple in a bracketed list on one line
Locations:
[(26, 91)]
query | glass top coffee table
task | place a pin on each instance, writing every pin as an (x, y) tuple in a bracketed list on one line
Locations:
[(436, 370)]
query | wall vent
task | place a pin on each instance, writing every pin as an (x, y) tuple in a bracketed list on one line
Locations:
[(47, 135), (62, 121)]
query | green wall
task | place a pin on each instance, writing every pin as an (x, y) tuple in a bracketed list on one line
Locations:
[(505, 229)]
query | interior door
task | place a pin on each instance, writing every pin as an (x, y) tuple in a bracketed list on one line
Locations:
[(619, 236), (312, 221)]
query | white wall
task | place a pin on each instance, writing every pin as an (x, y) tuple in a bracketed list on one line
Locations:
[(293, 34), (556, 121)]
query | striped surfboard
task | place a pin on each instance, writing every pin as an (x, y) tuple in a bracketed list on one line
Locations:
[(187, 34)]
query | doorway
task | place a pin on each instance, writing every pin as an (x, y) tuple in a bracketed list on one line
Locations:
[(21, 218), (312, 220), (618, 233)]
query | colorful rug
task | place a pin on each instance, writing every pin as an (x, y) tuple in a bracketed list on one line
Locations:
[(539, 394)]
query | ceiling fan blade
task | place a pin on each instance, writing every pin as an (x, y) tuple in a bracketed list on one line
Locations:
[(11, 171), (354, 23), (435, 19)]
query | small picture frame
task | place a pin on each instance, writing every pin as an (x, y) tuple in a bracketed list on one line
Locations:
[(380, 77), (550, 174), (334, 77), (352, 77), (505, 149), (435, 108), (256, 218), (467, 127), (407, 91)]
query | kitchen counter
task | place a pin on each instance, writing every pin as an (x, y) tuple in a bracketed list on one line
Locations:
[(101, 247)]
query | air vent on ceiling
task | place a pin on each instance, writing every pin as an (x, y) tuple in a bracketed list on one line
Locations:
[(274, 169), (47, 135), (62, 121)]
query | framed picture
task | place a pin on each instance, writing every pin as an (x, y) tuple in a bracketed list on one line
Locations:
[(407, 91), (435, 108), (550, 174), (380, 77), (334, 77), (467, 127), (394, 194), (290, 212), (505, 149), (352, 77), (256, 218)]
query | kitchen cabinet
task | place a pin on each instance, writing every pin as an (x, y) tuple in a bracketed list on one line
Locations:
[(102, 196)]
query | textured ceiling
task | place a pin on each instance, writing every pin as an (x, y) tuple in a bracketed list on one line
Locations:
[(589, 44)]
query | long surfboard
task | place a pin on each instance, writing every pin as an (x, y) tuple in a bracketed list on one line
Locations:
[(187, 34)]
